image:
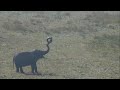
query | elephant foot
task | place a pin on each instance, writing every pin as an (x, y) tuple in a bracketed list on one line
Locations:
[(33, 73), (38, 73), (22, 72), (17, 71)]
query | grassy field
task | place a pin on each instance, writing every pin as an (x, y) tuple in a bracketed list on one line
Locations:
[(86, 44)]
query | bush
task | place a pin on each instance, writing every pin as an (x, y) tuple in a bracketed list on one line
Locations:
[(108, 44)]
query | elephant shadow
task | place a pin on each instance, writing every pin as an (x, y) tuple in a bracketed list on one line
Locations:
[(38, 74), (41, 74)]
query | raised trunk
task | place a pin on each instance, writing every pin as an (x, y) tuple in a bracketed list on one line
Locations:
[(48, 49)]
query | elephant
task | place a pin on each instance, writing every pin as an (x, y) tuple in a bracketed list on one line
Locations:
[(30, 58)]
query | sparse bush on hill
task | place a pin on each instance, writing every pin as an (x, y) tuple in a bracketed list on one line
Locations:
[(108, 44), (14, 26)]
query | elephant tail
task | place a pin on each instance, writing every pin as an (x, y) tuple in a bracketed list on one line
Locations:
[(13, 61)]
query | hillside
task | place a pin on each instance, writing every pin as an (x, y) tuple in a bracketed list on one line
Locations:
[(86, 44)]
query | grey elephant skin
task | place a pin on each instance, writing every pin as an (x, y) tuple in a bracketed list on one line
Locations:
[(30, 58)]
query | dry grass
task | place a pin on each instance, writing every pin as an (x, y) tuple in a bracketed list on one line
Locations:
[(82, 48)]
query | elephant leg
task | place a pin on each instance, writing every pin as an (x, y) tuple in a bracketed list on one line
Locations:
[(21, 70), (32, 67), (36, 69), (17, 69)]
